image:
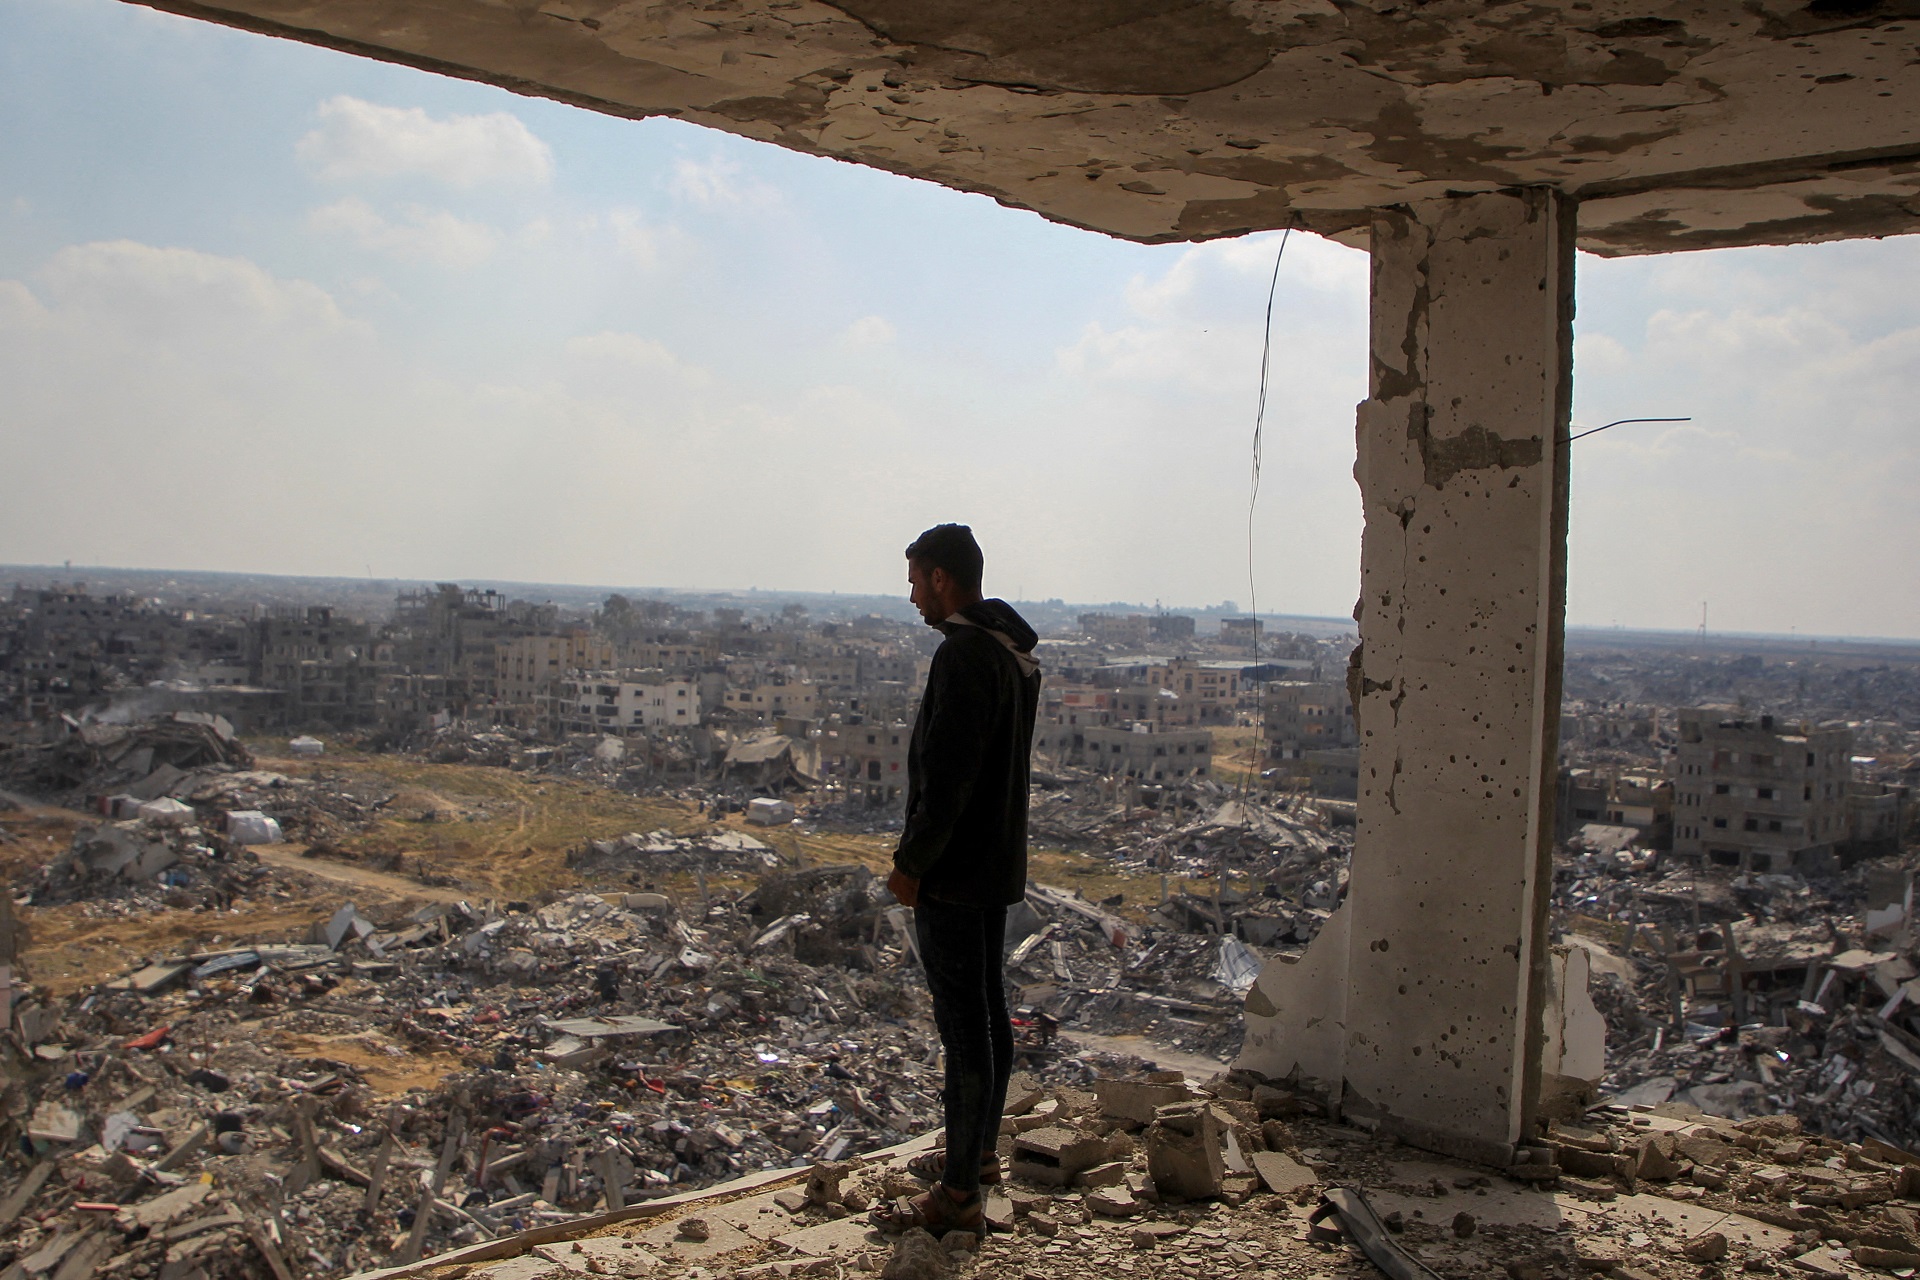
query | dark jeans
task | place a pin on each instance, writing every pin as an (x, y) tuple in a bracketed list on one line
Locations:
[(960, 947)]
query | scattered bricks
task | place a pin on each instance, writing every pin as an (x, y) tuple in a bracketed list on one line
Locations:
[(1710, 1178), (1236, 1113), (1703, 1149), (1270, 1103), (1150, 1234), (163, 1209), (823, 1182), (1874, 1189), (1592, 1164), (1774, 1184), (1585, 1190), (1237, 1188), (1282, 1174), (792, 1201), (1023, 1094), (917, 1256), (1655, 1161), (1597, 1253), (694, 1229), (1184, 1152), (1025, 1202), (1275, 1135), (1887, 1153), (1136, 1100), (1114, 1202), (1710, 1247), (1781, 1126), (1111, 1174), (1054, 1155), (1043, 1224), (960, 1242), (1886, 1259)]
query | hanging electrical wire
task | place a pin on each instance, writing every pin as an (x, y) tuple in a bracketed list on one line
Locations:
[(1253, 501)]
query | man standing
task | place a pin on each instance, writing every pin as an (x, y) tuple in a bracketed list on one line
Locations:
[(962, 859)]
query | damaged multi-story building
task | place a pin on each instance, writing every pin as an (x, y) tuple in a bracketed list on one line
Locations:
[(1757, 793)]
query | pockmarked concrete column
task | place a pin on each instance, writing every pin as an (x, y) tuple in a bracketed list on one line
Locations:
[(1421, 1005)]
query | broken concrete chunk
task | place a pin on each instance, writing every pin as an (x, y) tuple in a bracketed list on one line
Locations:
[(1185, 1152), (1136, 1100), (1281, 1173), (52, 1122), (164, 1208), (1114, 1202), (1053, 1155)]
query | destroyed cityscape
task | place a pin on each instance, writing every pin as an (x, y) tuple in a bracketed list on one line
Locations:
[(346, 936)]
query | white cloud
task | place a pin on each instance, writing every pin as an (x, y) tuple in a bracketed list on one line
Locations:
[(430, 234), (171, 292), (716, 182), (647, 245), (632, 354), (359, 139), (868, 331)]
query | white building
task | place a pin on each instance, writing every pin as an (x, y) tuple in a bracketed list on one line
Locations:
[(632, 702)]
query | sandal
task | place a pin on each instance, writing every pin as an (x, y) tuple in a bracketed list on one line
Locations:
[(931, 1166), (935, 1212)]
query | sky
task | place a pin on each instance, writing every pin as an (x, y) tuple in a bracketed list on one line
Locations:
[(269, 308)]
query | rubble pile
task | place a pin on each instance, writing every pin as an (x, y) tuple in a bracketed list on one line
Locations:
[(641, 854), (423, 1080), (83, 760), (1749, 995), (1152, 1173), (131, 867)]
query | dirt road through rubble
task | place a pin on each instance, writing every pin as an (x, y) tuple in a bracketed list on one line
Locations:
[(1196, 1066), (292, 857)]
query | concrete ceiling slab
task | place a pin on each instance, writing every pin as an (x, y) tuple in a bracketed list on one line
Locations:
[(1697, 124)]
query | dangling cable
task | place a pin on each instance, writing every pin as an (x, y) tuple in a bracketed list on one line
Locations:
[(1253, 499)]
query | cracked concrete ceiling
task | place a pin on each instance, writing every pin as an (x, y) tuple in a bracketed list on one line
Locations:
[(1677, 125)]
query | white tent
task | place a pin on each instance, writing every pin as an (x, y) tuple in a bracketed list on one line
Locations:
[(250, 826), (306, 746), (166, 811)]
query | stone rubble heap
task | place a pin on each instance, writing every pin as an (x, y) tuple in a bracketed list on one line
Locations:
[(405, 1083)]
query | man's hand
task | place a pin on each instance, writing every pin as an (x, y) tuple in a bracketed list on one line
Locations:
[(904, 887)]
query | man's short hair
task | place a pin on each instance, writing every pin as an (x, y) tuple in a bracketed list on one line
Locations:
[(950, 547)]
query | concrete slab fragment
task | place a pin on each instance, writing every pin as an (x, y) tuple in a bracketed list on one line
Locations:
[(614, 1255), (840, 1237)]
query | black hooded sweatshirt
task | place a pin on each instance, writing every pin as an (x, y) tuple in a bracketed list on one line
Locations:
[(965, 837)]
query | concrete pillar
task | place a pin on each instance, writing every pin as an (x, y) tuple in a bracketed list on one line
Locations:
[(1421, 1005)]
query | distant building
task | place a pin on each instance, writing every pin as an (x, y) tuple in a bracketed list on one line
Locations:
[(1303, 716), (1212, 689), (1117, 628), (1618, 799), (627, 703), (1334, 773), (871, 757), (1245, 632), (324, 666), (1170, 628), (1757, 794), (530, 669), (1147, 754), (767, 701)]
